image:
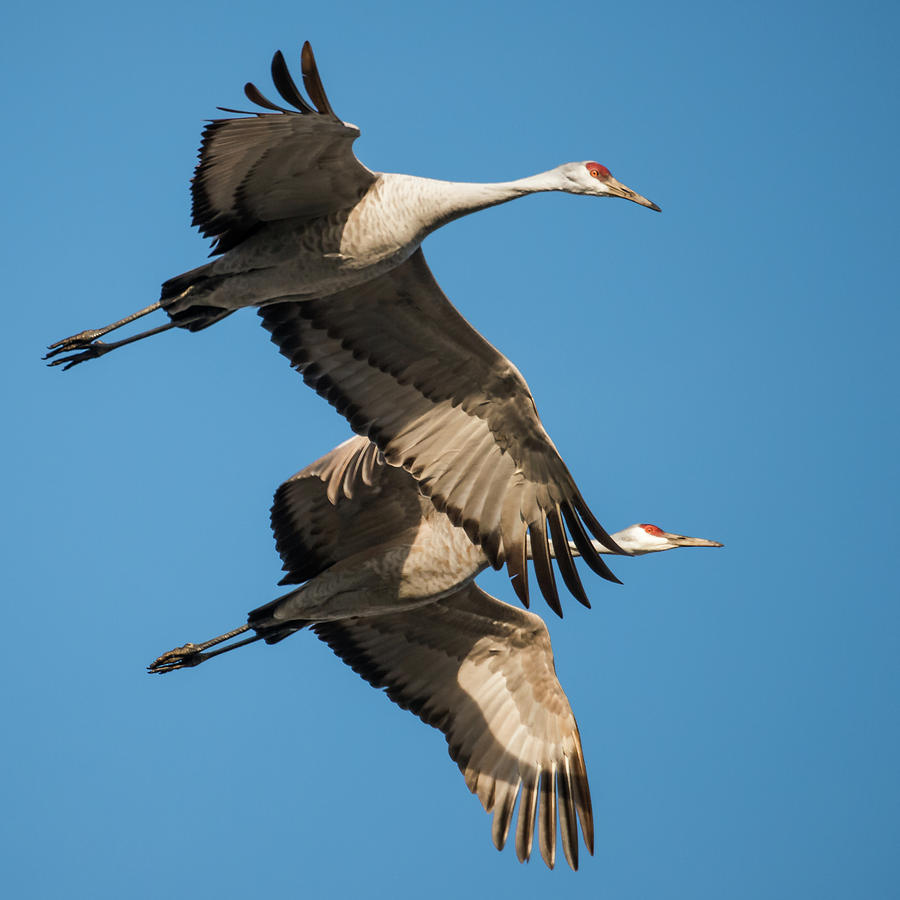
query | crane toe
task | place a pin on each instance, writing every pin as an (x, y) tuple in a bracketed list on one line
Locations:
[(90, 351)]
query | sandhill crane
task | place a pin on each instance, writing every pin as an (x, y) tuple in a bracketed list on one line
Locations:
[(388, 586), (330, 251)]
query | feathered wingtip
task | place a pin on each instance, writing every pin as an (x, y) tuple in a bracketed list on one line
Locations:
[(313, 82), (548, 542), (287, 88)]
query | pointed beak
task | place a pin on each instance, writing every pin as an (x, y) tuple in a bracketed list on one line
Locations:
[(617, 189), (680, 540)]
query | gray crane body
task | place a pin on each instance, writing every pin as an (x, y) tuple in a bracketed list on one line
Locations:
[(296, 259)]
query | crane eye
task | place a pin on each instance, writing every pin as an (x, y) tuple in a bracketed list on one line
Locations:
[(597, 171)]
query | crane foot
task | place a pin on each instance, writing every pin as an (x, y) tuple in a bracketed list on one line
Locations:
[(180, 658), (91, 351)]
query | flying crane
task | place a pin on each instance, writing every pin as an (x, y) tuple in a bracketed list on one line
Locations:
[(387, 583), (329, 251)]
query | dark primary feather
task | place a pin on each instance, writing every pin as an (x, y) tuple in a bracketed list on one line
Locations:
[(255, 95), (281, 77), (482, 672), (566, 563), (408, 371), (313, 82)]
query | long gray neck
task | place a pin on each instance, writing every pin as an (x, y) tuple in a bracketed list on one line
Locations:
[(444, 201)]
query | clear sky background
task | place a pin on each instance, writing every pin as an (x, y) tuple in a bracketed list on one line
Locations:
[(725, 369)]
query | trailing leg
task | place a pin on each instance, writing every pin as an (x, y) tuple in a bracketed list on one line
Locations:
[(99, 348), (187, 299), (193, 654), (85, 338)]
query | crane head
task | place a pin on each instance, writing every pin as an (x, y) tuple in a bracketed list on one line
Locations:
[(596, 180), (643, 538)]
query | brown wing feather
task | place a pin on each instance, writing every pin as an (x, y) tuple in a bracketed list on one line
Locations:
[(313, 82), (409, 372), (482, 672), (315, 526), (290, 163)]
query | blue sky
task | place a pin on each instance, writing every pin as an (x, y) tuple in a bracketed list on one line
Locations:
[(725, 369)]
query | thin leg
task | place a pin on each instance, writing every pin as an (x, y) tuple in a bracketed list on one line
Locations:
[(193, 654), (76, 341), (98, 348)]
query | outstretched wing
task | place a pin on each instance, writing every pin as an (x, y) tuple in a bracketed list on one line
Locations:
[(291, 162), (482, 672), (408, 371), (314, 524)]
